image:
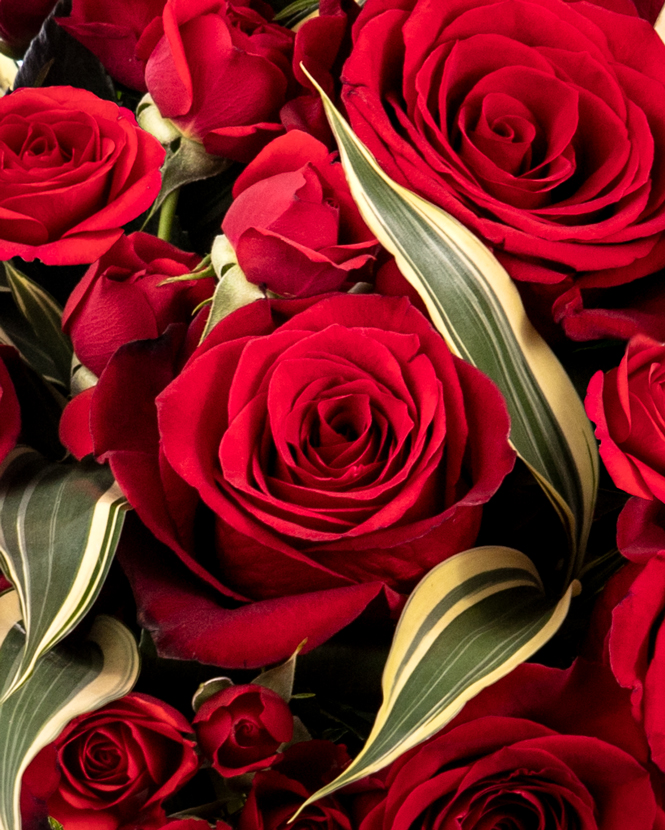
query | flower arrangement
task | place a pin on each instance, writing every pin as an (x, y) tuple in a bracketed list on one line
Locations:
[(308, 314)]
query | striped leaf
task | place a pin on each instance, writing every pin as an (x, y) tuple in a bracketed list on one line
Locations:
[(469, 622), (65, 683), (16, 331), (44, 315), (476, 307), (59, 528)]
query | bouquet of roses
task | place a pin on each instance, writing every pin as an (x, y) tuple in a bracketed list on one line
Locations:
[(308, 314)]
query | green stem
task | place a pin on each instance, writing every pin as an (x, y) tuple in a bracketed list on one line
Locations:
[(166, 215)]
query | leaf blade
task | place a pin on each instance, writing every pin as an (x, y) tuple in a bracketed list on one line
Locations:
[(470, 621), (44, 315), (59, 528)]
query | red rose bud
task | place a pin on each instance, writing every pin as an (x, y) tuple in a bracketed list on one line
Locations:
[(627, 405), (220, 71), (111, 31), (122, 297), (240, 728), (115, 766), (76, 168), (21, 20), (489, 113), (293, 223)]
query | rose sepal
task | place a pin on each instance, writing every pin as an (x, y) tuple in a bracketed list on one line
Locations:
[(233, 290)]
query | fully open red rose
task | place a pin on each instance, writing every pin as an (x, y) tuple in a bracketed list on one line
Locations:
[(635, 598), (529, 752), (628, 406), (539, 124), (220, 70), (74, 169), (328, 436), (293, 223), (342, 451), (111, 31), (114, 767), (240, 728)]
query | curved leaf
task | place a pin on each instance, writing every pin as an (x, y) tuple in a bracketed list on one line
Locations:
[(59, 528), (469, 622)]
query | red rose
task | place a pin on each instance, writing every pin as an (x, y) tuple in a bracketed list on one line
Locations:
[(540, 126), (75, 169), (115, 766), (111, 31), (220, 71), (293, 223), (627, 406), (342, 450), (277, 794), (121, 297), (21, 20), (630, 613), (528, 752), (240, 728), (329, 437)]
